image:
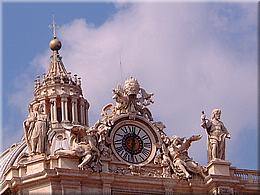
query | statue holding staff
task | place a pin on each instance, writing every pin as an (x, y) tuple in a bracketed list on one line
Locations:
[(217, 133)]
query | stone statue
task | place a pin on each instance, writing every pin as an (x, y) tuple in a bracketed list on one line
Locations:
[(217, 133), (83, 144), (35, 129), (174, 158), (178, 150), (28, 126), (104, 141), (166, 163), (90, 145), (129, 99), (121, 100)]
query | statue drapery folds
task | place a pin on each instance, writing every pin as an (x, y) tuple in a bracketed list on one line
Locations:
[(35, 129), (89, 144), (217, 133), (175, 160)]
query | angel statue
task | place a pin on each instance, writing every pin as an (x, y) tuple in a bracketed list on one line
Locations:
[(217, 133), (175, 160), (84, 144), (178, 150)]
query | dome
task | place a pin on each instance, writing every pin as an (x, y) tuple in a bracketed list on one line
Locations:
[(10, 157), (55, 44)]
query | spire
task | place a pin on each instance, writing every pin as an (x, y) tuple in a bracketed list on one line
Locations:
[(56, 67)]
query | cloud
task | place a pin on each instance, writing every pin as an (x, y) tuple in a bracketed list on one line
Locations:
[(186, 54)]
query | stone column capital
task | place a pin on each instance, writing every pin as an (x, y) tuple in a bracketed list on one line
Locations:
[(64, 98), (42, 99), (53, 98), (81, 102), (74, 99)]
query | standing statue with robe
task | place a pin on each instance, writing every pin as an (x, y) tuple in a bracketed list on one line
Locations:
[(217, 133), (35, 130)]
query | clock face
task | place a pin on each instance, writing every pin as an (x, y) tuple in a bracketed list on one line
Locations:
[(132, 143)]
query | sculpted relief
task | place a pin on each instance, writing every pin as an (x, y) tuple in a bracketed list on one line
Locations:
[(126, 132), (129, 99), (174, 159), (89, 144)]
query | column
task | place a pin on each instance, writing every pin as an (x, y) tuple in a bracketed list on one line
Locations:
[(51, 111), (106, 189), (107, 180), (82, 112), (74, 110), (54, 110), (86, 112), (64, 109)]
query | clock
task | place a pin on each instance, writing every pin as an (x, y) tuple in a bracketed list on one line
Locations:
[(133, 142)]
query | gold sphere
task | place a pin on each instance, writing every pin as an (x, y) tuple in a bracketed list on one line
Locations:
[(55, 44)]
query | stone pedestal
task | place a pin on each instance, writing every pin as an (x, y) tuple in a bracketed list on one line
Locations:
[(35, 164), (68, 162), (219, 167), (105, 165), (64, 161)]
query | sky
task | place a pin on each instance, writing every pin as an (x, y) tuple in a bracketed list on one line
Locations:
[(192, 56)]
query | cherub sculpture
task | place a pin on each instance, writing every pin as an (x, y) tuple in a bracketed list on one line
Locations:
[(83, 144), (183, 164), (175, 160), (121, 100)]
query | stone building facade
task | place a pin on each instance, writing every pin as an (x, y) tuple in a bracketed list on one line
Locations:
[(125, 152)]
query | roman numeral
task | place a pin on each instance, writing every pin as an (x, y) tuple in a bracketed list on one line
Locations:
[(138, 131), (126, 156), (140, 155), (124, 129), (147, 145), (135, 159), (145, 137), (130, 158), (117, 134), (133, 128), (145, 152), (130, 130), (117, 142), (120, 150)]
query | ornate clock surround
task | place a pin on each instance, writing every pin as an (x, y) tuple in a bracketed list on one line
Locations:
[(143, 151)]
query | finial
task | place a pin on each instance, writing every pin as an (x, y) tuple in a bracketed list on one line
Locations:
[(55, 43)]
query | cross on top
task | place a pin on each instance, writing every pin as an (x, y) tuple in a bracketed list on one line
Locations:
[(53, 26)]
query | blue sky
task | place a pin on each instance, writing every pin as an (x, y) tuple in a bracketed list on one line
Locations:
[(26, 33), (193, 56)]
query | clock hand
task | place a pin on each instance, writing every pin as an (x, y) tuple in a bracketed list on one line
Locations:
[(132, 146)]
